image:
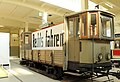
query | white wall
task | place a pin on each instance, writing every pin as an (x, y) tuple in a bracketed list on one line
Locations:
[(4, 48)]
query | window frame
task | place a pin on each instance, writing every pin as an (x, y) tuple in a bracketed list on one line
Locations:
[(96, 31), (111, 24), (81, 28)]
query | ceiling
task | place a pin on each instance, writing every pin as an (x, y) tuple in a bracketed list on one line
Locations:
[(14, 14)]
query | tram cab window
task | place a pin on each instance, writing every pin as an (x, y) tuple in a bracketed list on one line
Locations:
[(93, 19), (106, 24), (71, 25), (84, 25), (94, 25), (77, 26)]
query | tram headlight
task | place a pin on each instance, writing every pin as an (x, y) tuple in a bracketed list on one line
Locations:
[(100, 57), (108, 56)]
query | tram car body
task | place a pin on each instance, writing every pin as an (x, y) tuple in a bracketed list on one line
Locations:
[(80, 44), (25, 45), (115, 50)]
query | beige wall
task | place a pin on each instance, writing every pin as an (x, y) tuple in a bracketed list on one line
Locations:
[(14, 44), (14, 40)]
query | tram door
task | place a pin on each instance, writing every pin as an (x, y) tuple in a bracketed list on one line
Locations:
[(73, 39)]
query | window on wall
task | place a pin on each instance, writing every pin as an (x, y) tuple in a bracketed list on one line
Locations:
[(106, 23)]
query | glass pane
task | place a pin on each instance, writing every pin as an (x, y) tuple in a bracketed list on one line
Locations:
[(93, 25), (93, 19), (106, 26), (77, 27), (84, 25), (70, 25)]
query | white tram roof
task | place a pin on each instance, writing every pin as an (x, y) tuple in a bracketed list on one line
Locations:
[(95, 10)]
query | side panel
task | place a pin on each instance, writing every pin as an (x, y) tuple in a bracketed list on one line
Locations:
[(71, 49), (58, 57), (35, 55), (30, 54), (104, 48), (27, 54), (87, 55), (42, 56), (86, 51), (77, 50), (74, 51), (48, 56)]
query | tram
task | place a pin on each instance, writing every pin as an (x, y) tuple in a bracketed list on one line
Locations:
[(80, 44)]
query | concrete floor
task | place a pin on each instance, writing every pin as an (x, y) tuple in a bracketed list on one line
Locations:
[(18, 73)]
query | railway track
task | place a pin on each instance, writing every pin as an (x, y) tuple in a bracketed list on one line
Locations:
[(73, 78)]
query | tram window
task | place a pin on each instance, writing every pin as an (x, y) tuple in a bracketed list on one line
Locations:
[(84, 25), (77, 27), (93, 19), (70, 25), (93, 25), (106, 26)]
